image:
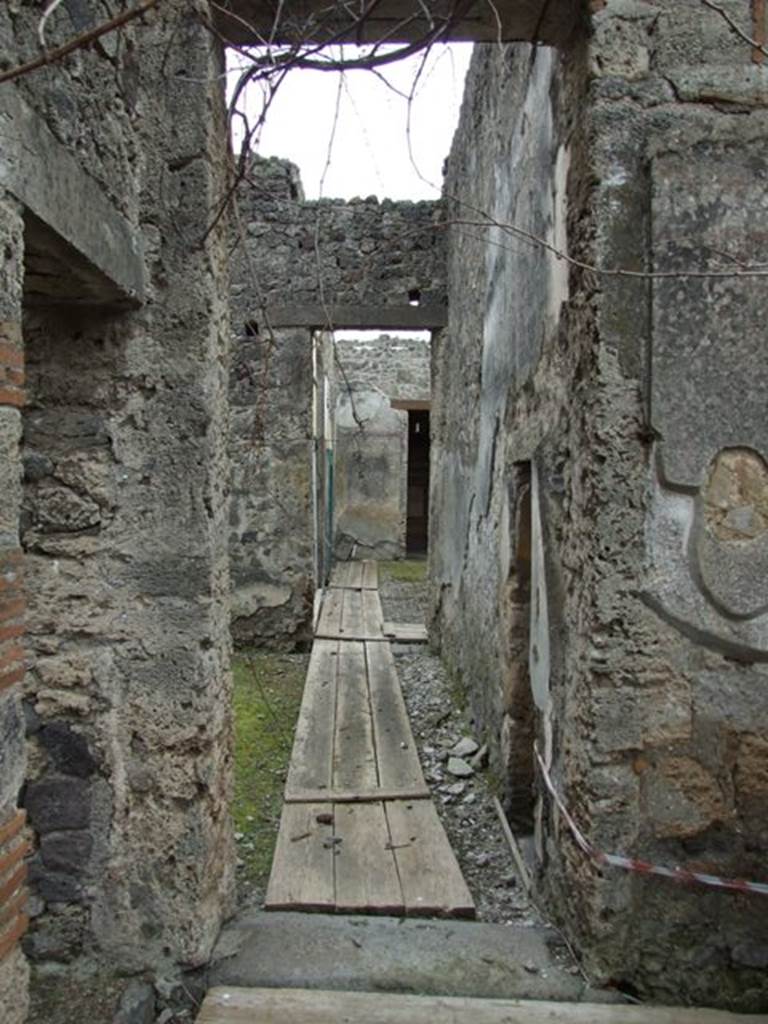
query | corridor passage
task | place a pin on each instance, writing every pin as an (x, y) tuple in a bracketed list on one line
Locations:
[(359, 832)]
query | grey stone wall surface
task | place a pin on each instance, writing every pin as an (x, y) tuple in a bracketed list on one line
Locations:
[(361, 252), (370, 503), (624, 415), (123, 525), (271, 526)]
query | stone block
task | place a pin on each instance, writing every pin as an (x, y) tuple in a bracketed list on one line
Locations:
[(682, 798), (67, 749), (66, 853), (632, 718), (12, 754), (53, 886), (14, 979), (58, 802), (10, 475), (137, 1004), (752, 773)]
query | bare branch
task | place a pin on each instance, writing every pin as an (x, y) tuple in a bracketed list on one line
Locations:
[(84, 39), (757, 47)]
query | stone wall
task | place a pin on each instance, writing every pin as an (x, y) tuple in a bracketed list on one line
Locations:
[(271, 516), (295, 252), (124, 323), (370, 502), (292, 252), (576, 420)]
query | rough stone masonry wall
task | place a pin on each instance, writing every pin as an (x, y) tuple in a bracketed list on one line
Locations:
[(626, 414), (291, 252), (372, 442), (123, 525), (13, 919), (271, 524)]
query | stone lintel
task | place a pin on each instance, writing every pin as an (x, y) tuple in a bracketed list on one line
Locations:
[(400, 21), (360, 318), (61, 199)]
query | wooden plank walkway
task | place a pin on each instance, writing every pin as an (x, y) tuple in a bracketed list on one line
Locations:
[(356, 575), (302, 1006), (358, 831), (351, 609)]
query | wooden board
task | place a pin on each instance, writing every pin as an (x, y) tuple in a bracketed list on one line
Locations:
[(302, 867), (370, 575), (312, 755), (355, 796), (396, 754), (372, 616), (430, 876), (355, 575), (329, 623), (301, 1006), (347, 574), (366, 874), (352, 614), (405, 632), (354, 753)]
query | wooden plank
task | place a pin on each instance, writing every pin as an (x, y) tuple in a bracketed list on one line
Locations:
[(312, 754), (396, 754), (356, 637), (302, 1006), (373, 617), (357, 796), (366, 875), (411, 404), (405, 632), (352, 614), (347, 575), (330, 614), (302, 868), (370, 580), (429, 872), (354, 755)]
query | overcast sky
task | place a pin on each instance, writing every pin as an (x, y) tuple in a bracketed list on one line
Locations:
[(370, 154)]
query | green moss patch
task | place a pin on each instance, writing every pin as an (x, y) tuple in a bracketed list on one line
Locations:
[(267, 697), (409, 570)]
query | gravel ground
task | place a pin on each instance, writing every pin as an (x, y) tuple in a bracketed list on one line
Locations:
[(465, 805)]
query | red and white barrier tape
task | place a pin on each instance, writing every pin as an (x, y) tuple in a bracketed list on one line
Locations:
[(642, 867)]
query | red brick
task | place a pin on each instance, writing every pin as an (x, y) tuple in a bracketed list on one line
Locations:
[(10, 938), (11, 678), (14, 908), (12, 376), (10, 333), (14, 883), (10, 860), (12, 827), (12, 655), (10, 355), (12, 608), (12, 396), (16, 629)]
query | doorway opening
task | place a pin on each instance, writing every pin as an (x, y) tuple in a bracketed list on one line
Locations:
[(417, 522), (518, 722)]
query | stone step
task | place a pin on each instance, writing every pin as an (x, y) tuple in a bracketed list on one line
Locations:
[(368, 953), (292, 1006)]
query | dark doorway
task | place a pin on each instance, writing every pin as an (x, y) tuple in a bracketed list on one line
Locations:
[(418, 482)]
